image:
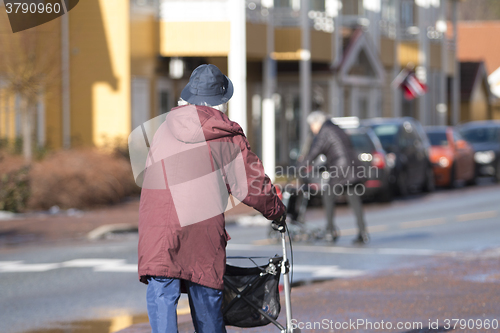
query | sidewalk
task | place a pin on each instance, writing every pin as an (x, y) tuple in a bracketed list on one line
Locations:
[(466, 287), (39, 227)]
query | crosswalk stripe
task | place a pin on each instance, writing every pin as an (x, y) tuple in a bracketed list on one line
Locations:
[(20, 267), (120, 266), (476, 216), (327, 271), (341, 250)]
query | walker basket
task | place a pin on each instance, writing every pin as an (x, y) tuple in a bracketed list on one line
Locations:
[(251, 294)]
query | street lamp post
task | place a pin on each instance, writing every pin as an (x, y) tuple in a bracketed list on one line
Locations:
[(305, 71), (455, 102), (237, 63), (268, 110)]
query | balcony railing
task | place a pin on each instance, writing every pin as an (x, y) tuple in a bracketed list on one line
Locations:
[(287, 16)]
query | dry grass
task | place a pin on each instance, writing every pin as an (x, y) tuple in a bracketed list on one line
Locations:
[(76, 179)]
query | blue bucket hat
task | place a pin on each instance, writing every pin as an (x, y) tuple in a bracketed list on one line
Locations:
[(207, 85)]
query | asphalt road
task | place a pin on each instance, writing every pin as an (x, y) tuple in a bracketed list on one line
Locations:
[(78, 285)]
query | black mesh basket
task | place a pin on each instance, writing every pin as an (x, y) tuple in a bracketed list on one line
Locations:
[(251, 295)]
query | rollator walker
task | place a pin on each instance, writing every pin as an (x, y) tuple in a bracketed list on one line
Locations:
[(251, 294)]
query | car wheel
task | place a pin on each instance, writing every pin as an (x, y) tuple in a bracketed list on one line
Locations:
[(453, 176), (386, 194), (402, 184), (497, 173), (430, 184), (473, 180)]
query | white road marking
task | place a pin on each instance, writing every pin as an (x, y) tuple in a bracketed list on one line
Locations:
[(477, 216), (327, 271), (118, 268), (422, 223), (92, 262), (103, 265), (348, 232), (20, 267), (377, 228), (98, 265), (8, 263), (343, 250)]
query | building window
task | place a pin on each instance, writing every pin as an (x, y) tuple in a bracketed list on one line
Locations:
[(318, 5), (407, 13), (388, 10), (283, 3), (164, 102), (352, 7), (145, 2)]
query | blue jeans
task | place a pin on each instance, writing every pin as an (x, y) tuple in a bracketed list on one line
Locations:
[(206, 306)]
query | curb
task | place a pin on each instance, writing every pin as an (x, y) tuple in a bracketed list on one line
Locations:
[(6, 216), (182, 319), (107, 229)]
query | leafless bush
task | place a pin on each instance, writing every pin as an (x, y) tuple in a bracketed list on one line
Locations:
[(75, 179)]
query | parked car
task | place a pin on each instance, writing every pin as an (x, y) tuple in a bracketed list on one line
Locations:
[(370, 154), (451, 156), (374, 160), (484, 136), (408, 149)]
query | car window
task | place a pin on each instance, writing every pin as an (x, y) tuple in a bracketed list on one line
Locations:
[(457, 136), (421, 133), (438, 138), (361, 142), (387, 134), (405, 139), (481, 134)]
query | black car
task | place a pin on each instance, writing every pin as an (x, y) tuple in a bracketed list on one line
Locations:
[(374, 160), (407, 148), (484, 136)]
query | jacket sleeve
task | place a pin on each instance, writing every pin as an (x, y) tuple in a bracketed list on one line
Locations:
[(247, 181), (317, 148), (314, 151)]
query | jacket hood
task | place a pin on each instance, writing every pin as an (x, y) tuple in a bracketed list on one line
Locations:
[(194, 124)]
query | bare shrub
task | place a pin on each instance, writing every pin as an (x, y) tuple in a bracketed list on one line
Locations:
[(74, 179), (80, 179)]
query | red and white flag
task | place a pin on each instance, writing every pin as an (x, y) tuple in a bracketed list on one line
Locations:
[(411, 85)]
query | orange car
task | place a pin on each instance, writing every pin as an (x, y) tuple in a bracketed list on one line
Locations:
[(451, 156)]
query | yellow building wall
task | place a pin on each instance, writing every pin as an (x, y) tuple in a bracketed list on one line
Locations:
[(7, 116), (387, 51), (408, 53), (256, 41), (46, 39), (144, 43), (52, 93), (496, 112), (477, 107), (144, 50), (435, 55), (6, 99), (288, 43), (479, 104), (100, 72), (321, 46), (287, 40), (189, 39), (450, 62)]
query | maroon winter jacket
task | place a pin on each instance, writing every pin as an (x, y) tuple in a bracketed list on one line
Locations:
[(197, 157)]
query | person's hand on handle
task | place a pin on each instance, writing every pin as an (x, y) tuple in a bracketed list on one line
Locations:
[(280, 223)]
